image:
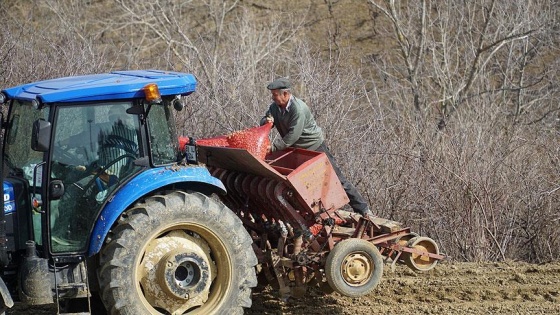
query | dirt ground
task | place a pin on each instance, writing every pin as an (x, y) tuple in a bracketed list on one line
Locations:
[(450, 288)]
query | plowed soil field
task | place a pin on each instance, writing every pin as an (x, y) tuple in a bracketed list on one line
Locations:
[(450, 288)]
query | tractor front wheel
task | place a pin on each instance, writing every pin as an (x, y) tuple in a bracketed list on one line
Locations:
[(179, 253)]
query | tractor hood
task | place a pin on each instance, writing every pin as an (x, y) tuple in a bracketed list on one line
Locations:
[(106, 86)]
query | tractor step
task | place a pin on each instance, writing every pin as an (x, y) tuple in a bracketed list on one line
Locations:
[(72, 292)]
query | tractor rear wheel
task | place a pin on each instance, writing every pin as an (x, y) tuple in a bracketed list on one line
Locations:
[(354, 267), (178, 253)]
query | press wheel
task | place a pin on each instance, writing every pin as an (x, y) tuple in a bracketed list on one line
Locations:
[(419, 261)]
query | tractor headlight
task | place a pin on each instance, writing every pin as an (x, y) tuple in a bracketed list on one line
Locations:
[(36, 104)]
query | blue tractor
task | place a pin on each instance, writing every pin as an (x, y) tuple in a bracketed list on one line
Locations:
[(100, 204)]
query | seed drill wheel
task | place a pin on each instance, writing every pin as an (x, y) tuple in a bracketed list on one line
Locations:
[(419, 262), (178, 253), (354, 267), (403, 241)]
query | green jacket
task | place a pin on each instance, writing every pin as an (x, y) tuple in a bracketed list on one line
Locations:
[(296, 126)]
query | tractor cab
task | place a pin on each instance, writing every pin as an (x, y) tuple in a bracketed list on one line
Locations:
[(70, 156), (94, 148)]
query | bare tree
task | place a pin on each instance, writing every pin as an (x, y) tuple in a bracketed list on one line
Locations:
[(37, 47), (451, 51), (476, 70), (484, 184), (227, 44)]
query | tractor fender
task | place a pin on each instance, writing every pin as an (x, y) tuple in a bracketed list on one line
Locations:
[(144, 183), (7, 301)]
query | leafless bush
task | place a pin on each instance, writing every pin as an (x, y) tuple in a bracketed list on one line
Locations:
[(226, 45), (472, 143), (453, 130), (35, 48)]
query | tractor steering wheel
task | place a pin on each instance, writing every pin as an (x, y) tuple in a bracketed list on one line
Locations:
[(64, 156), (102, 170)]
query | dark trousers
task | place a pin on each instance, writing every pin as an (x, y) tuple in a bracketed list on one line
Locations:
[(357, 202)]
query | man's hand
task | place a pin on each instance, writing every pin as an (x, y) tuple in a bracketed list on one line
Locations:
[(269, 119)]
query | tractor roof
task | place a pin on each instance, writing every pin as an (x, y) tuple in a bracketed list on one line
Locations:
[(106, 86)]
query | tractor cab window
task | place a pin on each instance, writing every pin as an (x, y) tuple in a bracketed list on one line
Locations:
[(94, 150), (23, 164), (19, 158), (163, 144)]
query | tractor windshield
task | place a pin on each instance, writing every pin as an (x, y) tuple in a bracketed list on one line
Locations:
[(93, 150)]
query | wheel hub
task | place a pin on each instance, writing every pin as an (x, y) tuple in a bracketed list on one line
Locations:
[(356, 269), (176, 272), (183, 275)]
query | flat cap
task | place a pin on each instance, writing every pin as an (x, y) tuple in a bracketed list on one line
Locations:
[(280, 83)]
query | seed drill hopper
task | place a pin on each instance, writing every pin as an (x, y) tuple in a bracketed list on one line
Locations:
[(291, 202)]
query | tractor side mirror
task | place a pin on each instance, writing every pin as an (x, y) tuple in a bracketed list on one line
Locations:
[(135, 110), (40, 137)]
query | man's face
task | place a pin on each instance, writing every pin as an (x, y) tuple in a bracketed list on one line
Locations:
[(280, 97)]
